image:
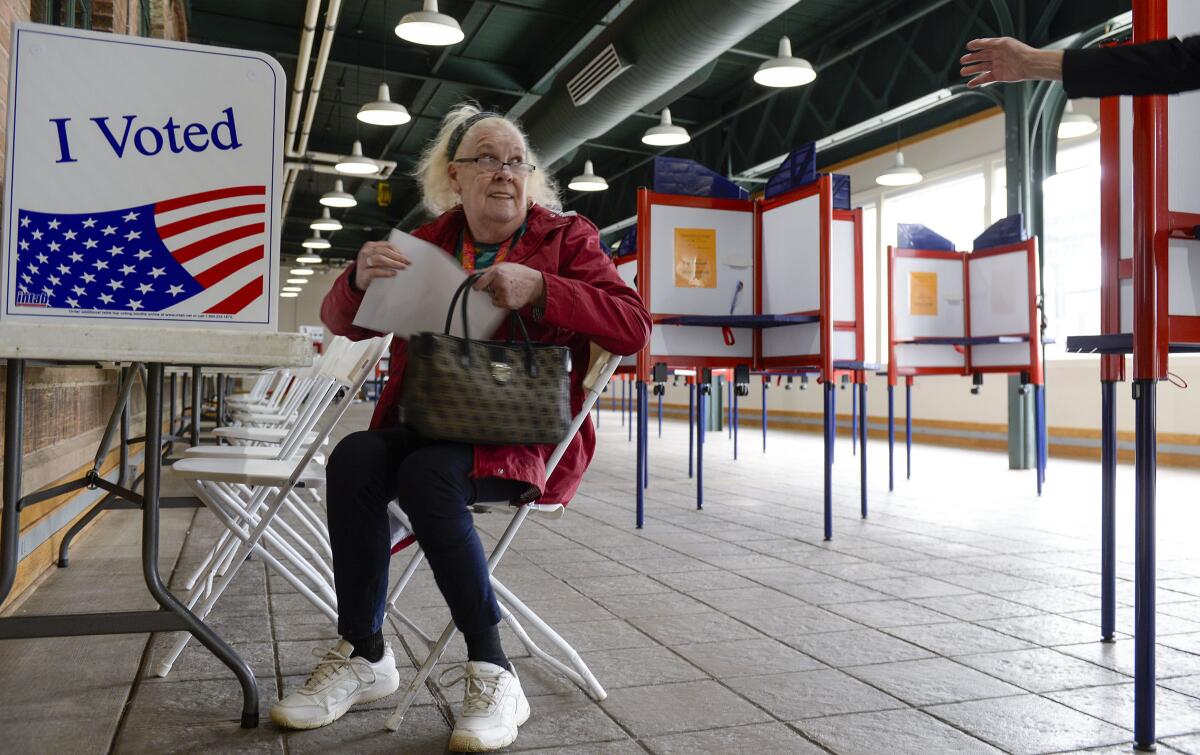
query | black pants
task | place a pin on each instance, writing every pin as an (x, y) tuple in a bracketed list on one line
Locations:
[(431, 480)]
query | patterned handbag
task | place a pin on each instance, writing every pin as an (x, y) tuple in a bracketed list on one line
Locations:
[(490, 392)]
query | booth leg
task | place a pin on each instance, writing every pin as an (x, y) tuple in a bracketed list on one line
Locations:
[(862, 442), (733, 428), (830, 428), (908, 430), (853, 420), (764, 414), (197, 406), (1145, 461), (691, 425), (891, 438), (641, 463), (700, 423), (629, 405), (623, 389), (832, 399), (1039, 434), (1108, 510), (644, 430), (660, 415)]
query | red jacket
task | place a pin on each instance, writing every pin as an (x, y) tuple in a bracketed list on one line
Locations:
[(586, 301)]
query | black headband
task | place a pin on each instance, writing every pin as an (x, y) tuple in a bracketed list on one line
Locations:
[(457, 137)]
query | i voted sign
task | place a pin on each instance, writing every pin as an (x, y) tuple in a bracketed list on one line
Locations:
[(142, 182)]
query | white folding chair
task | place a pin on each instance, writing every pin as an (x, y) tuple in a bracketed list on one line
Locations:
[(247, 495), (603, 365)]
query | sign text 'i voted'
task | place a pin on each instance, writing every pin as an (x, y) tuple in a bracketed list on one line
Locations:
[(126, 135)]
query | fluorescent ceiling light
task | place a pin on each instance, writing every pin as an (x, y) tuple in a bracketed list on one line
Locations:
[(785, 70), (589, 181), (355, 164), (326, 222), (666, 134), (384, 112), (429, 27), (1074, 125), (301, 271), (338, 197), (899, 174)]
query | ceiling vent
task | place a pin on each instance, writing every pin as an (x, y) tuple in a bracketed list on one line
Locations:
[(594, 76)]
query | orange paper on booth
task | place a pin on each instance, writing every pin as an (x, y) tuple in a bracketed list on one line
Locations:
[(922, 294), (695, 258)]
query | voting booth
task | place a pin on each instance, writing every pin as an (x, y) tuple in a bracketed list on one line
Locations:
[(150, 201), (969, 314), (770, 285)]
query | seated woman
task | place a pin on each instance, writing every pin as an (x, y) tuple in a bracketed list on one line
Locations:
[(480, 177)]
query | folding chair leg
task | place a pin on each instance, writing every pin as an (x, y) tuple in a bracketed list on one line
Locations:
[(394, 614), (414, 687), (579, 673)]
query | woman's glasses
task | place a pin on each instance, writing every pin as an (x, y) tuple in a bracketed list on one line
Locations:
[(489, 164)]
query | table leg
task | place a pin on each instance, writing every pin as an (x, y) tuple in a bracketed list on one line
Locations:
[(220, 399), (641, 464), (150, 530), (1108, 509), (691, 424), (733, 422), (197, 405), (764, 414), (853, 419), (832, 399), (862, 442), (1039, 433), (908, 429), (644, 429), (660, 398), (1145, 463), (701, 421)]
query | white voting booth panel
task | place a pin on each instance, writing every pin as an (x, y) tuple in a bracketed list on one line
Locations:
[(142, 182), (791, 281), (948, 320), (627, 269), (734, 264), (1183, 183), (1000, 303)]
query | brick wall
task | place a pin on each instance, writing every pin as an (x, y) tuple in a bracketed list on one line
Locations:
[(66, 408)]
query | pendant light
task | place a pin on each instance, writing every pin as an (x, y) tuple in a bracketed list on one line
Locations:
[(309, 259), (785, 70), (899, 174), (384, 112), (666, 134), (301, 271), (291, 289), (588, 181), (338, 197), (355, 163), (429, 27), (297, 281), (1074, 125), (315, 242), (288, 295), (326, 222)]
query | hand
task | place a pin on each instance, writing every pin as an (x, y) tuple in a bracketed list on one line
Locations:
[(1006, 59), (513, 286), (377, 259)]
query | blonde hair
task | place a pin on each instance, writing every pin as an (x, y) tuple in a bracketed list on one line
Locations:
[(438, 195)]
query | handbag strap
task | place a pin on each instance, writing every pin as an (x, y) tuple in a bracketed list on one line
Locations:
[(514, 320)]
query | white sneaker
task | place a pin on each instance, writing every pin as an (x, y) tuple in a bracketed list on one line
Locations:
[(337, 682), (493, 707)]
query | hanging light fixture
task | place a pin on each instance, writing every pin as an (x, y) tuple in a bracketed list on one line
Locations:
[(309, 259), (429, 27), (589, 181), (1074, 125), (301, 271), (326, 222), (355, 163), (315, 242), (666, 134), (899, 174), (297, 281), (291, 289), (288, 295), (785, 70), (338, 197), (384, 112)]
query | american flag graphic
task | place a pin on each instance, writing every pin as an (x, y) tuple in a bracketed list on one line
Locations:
[(197, 253)]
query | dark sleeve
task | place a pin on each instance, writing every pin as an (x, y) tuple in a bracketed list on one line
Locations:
[(587, 296), (1166, 66)]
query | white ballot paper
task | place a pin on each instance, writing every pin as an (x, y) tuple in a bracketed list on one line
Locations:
[(416, 299)]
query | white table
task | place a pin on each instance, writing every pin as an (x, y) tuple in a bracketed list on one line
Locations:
[(151, 349)]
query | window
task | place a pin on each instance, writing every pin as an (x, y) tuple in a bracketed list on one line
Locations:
[(953, 208), (1071, 248)]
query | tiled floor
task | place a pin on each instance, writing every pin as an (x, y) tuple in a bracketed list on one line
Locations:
[(961, 617)]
